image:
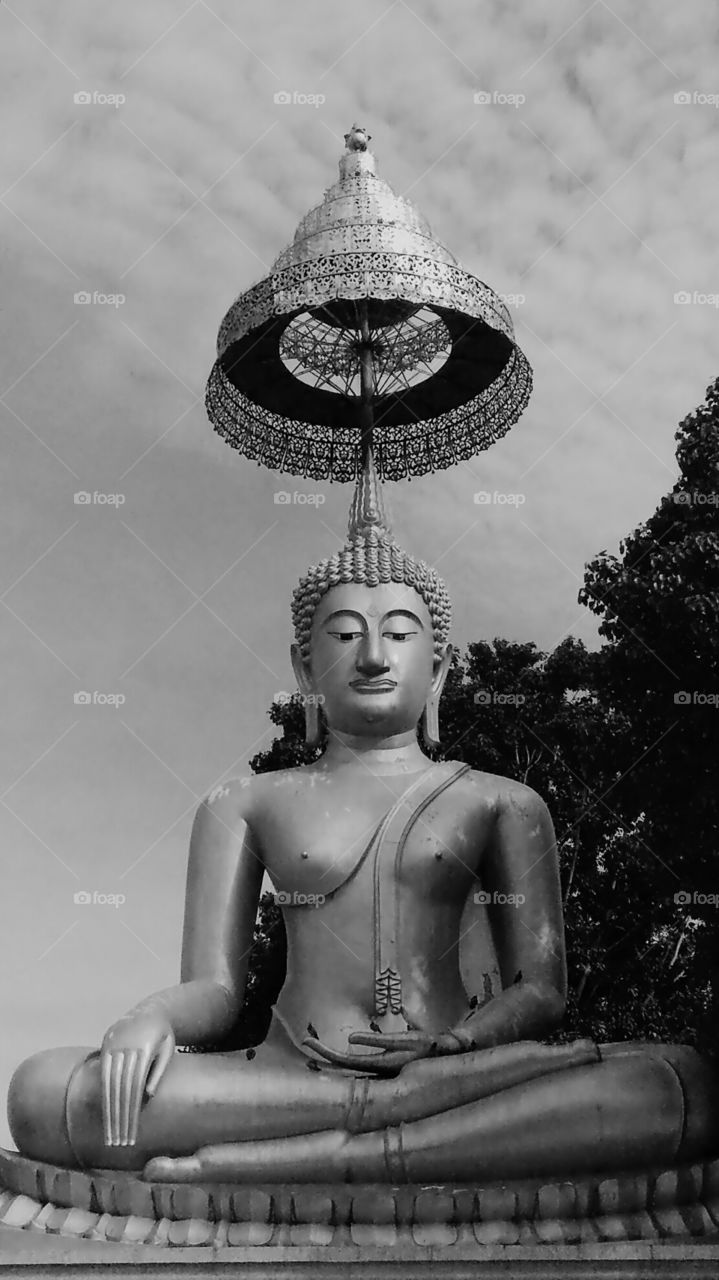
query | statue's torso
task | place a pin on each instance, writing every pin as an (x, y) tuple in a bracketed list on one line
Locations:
[(311, 829)]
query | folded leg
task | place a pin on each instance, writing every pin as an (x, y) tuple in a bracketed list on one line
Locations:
[(627, 1111), (55, 1105)]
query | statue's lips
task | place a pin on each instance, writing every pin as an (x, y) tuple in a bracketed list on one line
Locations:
[(374, 686)]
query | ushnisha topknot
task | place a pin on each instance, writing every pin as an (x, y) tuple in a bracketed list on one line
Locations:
[(370, 556)]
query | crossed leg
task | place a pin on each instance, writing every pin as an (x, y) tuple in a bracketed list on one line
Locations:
[(55, 1104), (515, 1111), (640, 1105), (224, 1101)]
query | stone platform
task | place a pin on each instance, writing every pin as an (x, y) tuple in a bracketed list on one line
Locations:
[(656, 1223), (29, 1256)]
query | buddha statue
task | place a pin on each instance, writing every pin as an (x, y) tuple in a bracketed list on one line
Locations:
[(378, 1066)]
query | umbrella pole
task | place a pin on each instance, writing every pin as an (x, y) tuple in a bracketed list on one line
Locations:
[(367, 383)]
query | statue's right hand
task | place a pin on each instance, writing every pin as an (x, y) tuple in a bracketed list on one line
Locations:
[(133, 1058)]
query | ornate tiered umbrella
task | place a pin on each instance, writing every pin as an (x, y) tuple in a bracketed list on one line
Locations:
[(366, 335)]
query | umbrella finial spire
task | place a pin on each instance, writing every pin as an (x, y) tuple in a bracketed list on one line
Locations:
[(357, 138), (368, 508)]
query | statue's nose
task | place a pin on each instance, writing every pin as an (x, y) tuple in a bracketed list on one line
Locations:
[(371, 660)]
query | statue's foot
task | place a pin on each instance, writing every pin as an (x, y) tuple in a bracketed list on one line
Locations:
[(301, 1157), (167, 1169)]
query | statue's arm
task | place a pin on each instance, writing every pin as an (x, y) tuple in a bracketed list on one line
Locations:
[(224, 877), (520, 873), (223, 887)]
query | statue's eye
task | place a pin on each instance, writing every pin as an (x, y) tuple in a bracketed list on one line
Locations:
[(400, 635), (345, 635)]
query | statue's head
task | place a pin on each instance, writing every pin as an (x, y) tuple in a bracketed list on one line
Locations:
[(371, 631)]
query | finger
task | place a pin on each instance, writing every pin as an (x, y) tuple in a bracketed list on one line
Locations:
[(137, 1085), (385, 1040), (390, 1063), (128, 1075), (449, 1043), (105, 1070), (115, 1093), (337, 1056), (164, 1056)]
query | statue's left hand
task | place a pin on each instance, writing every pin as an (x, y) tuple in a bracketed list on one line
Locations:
[(398, 1049), (414, 1043)]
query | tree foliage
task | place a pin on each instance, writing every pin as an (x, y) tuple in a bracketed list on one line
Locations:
[(658, 603)]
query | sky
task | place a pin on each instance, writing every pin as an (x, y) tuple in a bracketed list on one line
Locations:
[(147, 163)]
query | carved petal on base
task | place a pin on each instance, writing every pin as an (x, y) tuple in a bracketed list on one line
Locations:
[(660, 1204)]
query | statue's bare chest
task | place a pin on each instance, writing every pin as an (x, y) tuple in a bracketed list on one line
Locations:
[(316, 836)]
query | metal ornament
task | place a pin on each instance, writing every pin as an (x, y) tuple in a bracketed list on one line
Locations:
[(366, 332)]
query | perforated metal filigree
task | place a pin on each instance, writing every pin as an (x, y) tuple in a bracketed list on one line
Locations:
[(329, 355), (407, 277), (364, 272), (412, 449)]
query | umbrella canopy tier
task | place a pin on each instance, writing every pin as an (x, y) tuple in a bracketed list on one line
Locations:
[(366, 330), (400, 451)]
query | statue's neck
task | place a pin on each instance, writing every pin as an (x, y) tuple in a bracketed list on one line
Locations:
[(398, 754)]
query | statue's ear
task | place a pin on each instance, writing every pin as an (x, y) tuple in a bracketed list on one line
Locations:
[(301, 670), (441, 670), (430, 715)]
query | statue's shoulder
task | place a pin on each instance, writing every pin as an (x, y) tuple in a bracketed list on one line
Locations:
[(257, 791), (233, 798), (500, 792), (280, 779)]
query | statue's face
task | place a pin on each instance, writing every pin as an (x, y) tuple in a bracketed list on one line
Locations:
[(372, 658)]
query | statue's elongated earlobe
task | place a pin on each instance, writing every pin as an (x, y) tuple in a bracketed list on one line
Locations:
[(430, 715), (313, 733), (430, 721)]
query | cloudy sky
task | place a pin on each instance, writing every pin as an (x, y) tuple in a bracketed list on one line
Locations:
[(583, 186)]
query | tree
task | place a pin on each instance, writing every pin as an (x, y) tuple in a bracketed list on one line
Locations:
[(512, 710), (659, 680)]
